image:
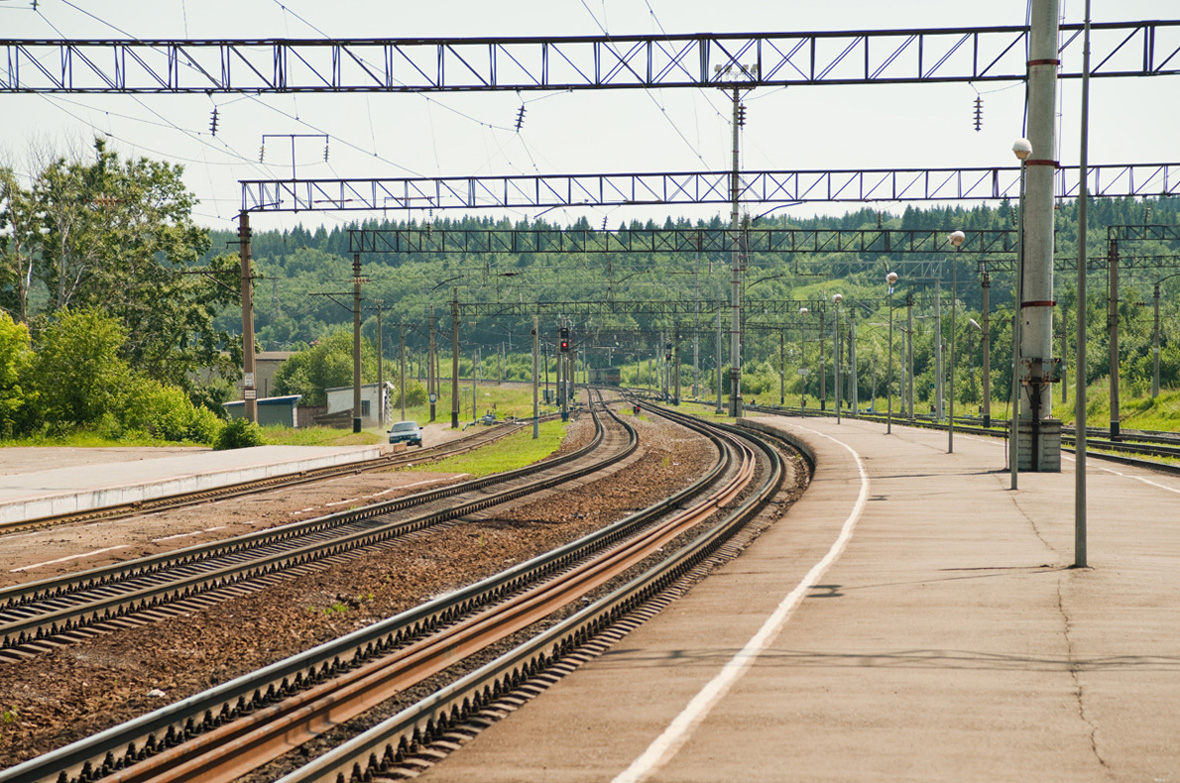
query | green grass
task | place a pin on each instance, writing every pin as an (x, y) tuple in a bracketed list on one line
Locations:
[(320, 436), (511, 399), (512, 452), (86, 439)]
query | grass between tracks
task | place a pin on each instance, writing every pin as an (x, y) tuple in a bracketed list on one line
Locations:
[(514, 451)]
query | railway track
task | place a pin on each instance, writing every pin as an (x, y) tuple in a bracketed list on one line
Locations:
[(222, 733), (1133, 447), (155, 505), (38, 616)]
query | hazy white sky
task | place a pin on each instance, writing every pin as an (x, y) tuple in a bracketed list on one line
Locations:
[(922, 125)]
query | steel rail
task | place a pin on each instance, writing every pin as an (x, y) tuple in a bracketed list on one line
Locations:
[(18, 595), (124, 744), (301, 718), (104, 606), (1152, 444), (377, 749), (270, 483)]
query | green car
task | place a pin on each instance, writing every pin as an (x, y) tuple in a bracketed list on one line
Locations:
[(406, 432)]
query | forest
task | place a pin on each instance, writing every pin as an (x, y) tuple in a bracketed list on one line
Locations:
[(120, 314), (607, 298)]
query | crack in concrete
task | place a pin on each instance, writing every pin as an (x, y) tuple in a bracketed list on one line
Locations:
[(1074, 673)]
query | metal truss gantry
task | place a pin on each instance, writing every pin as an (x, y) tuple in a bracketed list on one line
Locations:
[(674, 240), (989, 54), (693, 187)]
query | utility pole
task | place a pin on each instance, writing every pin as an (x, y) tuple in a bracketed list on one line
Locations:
[(985, 316), (431, 377), (402, 348), (676, 368), (455, 360), (536, 379), (381, 369), (1035, 308), (909, 325), (718, 341), (735, 322), (1112, 327), (854, 395), (356, 342), (249, 390)]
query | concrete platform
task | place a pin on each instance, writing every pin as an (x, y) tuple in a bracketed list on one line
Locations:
[(82, 487), (911, 619)]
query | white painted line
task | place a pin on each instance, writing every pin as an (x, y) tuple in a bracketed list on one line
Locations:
[(71, 557), (681, 728), (419, 483), (178, 535), (1149, 482), (342, 502)]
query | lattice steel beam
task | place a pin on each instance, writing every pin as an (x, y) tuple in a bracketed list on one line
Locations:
[(676, 240), (1160, 233), (1138, 48), (693, 187)]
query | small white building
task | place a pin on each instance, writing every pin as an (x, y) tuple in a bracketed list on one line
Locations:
[(374, 402)]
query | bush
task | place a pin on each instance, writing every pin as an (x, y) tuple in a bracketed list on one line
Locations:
[(238, 434), (415, 395)]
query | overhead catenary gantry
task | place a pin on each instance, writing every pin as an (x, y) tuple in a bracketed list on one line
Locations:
[(781, 187), (413, 65)]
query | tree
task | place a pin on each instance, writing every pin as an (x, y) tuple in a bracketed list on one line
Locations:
[(16, 354), (324, 366), (78, 372), (18, 243), (119, 235)]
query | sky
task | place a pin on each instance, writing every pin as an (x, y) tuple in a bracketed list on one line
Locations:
[(1133, 120)]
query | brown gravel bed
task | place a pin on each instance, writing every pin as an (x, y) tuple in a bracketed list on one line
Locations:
[(54, 699), (792, 489)]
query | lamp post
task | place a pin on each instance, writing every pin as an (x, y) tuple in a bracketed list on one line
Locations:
[(837, 299), (1022, 149), (802, 364), (956, 239), (891, 280)]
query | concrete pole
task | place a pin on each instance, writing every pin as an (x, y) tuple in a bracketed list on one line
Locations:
[(455, 360), (1079, 544), (1155, 344), (1112, 327), (381, 371), (735, 322), (431, 378), (1036, 306), (985, 316), (891, 279), (720, 409), (401, 342), (1064, 353), (939, 373), (676, 368), (249, 390), (909, 306), (852, 379), (536, 380), (823, 363), (782, 368), (837, 353), (356, 342)]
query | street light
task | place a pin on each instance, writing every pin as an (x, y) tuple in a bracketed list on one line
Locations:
[(837, 299), (1022, 149), (802, 364), (891, 280), (956, 239)]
